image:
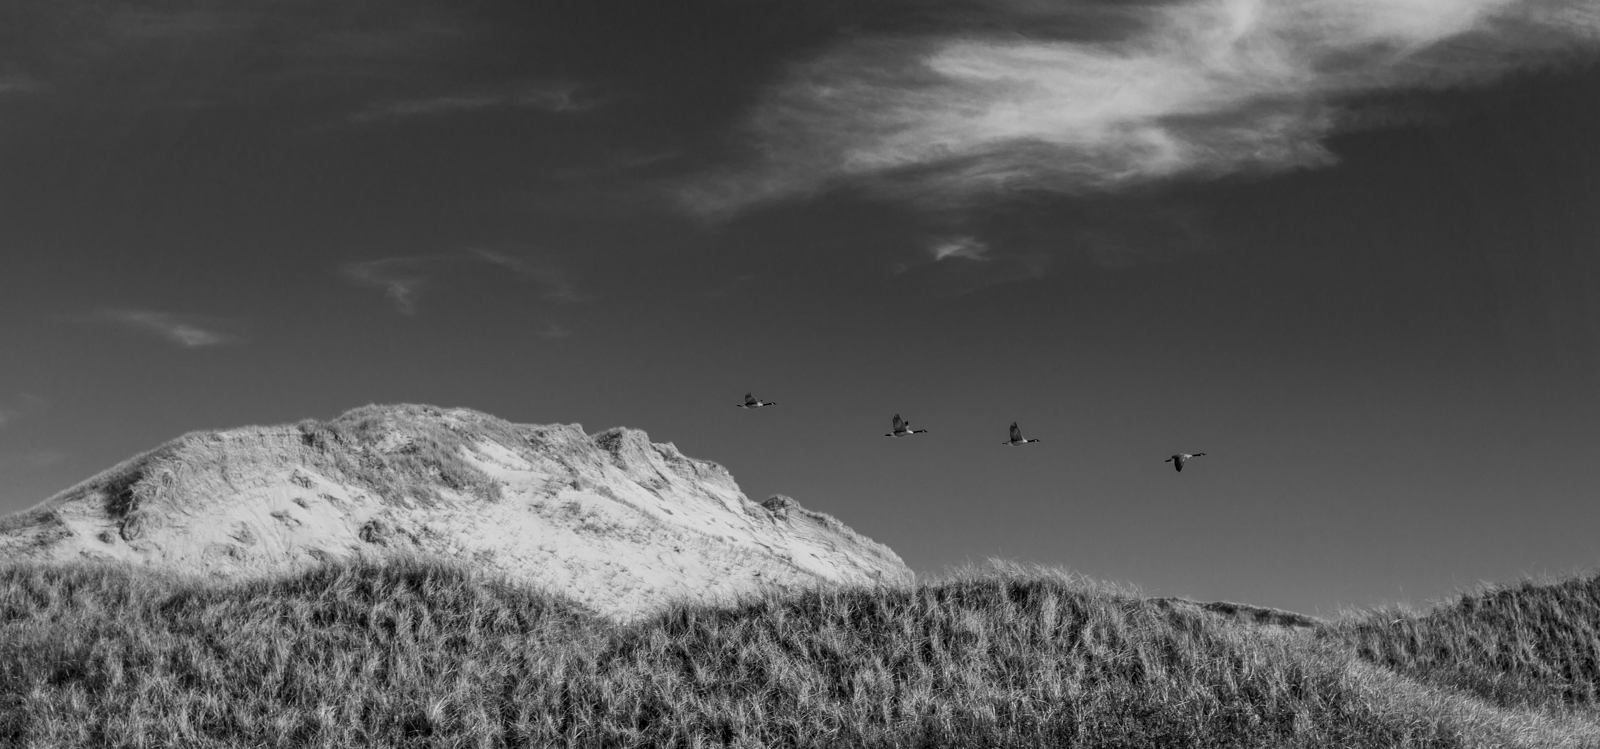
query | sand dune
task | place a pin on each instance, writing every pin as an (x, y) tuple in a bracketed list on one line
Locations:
[(611, 519)]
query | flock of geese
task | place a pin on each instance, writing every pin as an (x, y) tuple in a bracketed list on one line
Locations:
[(902, 428)]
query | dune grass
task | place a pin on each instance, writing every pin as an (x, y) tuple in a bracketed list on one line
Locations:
[(424, 653), (1528, 645), (405, 454), (429, 453)]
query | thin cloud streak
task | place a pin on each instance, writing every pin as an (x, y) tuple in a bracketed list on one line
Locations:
[(18, 84), (403, 279), (553, 97), (557, 286), (174, 329), (552, 331), (516, 265), (24, 405), (190, 56), (397, 276), (947, 280), (1199, 89), (966, 248)]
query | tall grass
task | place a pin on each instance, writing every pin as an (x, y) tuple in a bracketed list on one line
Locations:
[(1527, 645), (424, 653)]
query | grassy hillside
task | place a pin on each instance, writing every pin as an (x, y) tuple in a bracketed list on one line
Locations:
[(1524, 646), (428, 654)]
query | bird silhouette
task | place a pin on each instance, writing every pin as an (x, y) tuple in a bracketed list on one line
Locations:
[(1016, 436), (1177, 460), (750, 401), (902, 428)]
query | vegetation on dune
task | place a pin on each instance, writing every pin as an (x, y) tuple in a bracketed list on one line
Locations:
[(406, 451), (1528, 645), (402, 453), (424, 653)]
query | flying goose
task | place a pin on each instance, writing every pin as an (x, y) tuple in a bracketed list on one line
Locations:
[(903, 428), (1177, 460), (751, 402), (1016, 436)]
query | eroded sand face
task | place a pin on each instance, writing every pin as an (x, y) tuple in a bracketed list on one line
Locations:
[(610, 519)]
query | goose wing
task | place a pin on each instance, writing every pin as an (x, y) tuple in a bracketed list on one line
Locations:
[(749, 400), (899, 424), (1016, 434)]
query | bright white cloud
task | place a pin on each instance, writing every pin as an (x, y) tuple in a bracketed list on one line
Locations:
[(1199, 88)]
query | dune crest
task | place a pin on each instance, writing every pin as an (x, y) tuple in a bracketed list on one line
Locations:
[(616, 521)]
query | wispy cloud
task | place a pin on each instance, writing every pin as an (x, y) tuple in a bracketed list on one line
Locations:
[(1075, 98), (21, 406), (558, 286), (552, 330), (399, 277), (186, 332), (549, 96), (966, 248), (403, 279), (16, 83), (984, 269), (143, 55)]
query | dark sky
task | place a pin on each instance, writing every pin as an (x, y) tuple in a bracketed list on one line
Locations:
[(1347, 248)]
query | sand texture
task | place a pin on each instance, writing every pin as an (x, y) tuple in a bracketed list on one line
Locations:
[(611, 519)]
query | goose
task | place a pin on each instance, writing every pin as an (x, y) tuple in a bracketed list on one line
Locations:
[(903, 428), (1177, 460), (1016, 436), (750, 401)]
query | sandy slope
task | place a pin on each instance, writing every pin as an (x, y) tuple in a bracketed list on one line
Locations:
[(611, 518)]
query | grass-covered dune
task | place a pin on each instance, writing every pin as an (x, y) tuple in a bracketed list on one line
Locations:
[(416, 653)]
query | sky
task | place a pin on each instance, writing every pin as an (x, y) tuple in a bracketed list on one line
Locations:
[(1346, 248)]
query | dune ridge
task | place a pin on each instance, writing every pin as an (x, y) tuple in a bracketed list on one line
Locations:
[(610, 519)]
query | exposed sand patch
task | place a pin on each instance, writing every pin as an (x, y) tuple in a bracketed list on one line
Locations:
[(612, 519)]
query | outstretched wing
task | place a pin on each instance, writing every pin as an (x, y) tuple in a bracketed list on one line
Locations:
[(1016, 434), (899, 424), (1177, 462), (749, 400)]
